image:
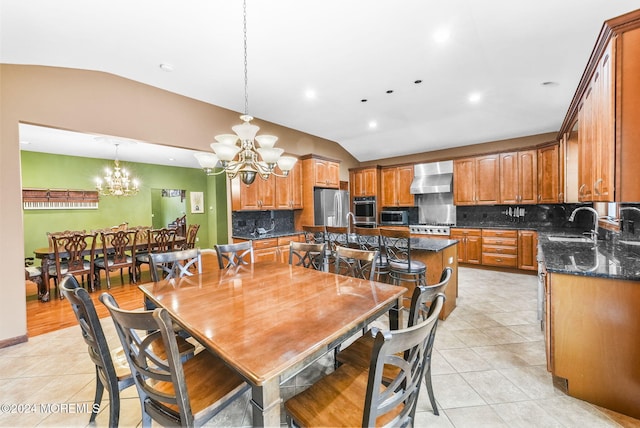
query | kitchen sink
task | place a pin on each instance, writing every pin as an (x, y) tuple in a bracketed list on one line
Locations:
[(569, 239)]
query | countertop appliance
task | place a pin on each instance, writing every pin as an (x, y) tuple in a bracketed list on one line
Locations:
[(394, 218), (364, 209), (430, 229), (330, 207)]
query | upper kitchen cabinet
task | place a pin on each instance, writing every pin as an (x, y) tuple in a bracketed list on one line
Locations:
[(519, 177), (550, 175), (289, 189), (395, 186), (260, 195), (607, 108), (364, 181), (322, 172), (475, 180)]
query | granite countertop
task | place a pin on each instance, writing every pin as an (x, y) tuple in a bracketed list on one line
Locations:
[(431, 244), (251, 237), (615, 258)]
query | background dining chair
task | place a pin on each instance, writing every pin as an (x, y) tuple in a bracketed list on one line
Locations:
[(172, 392), (174, 264), (314, 234), (356, 263), (50, 236), (112, 369), (402, 267), (158, 241), (74, 254), (192, 234), (422, 299), (118, 252), (307, 255), (369, 239), (231, 255), (362, 395)]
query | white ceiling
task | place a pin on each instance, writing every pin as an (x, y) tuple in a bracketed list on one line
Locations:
[(344, 51)]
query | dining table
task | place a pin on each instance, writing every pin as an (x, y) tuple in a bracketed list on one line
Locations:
[(47, 257), (270, 320)]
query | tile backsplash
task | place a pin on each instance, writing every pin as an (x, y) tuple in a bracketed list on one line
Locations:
[(246, 222)]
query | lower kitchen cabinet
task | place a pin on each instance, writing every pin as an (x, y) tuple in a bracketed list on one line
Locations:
[(500, 247), (527, 249), (469, 245), (272, 249)]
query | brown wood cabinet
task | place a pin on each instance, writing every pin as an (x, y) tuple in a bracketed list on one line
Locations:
[(476, 180), (326, 173), (289, 189), (272, 249), (395, 185), (527, 249), (260, 195), (364, 181), (500, 247), (469, 245), (519, 177), (549, 175)]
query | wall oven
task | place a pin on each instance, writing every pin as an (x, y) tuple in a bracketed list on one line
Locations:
[(394, 218), (364, 210)]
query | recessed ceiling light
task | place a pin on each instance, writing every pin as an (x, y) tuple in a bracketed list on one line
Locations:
[(390, 91), (475, 97), (364, 100), (441, 35), (166, 67), (417, 81), (373, 124), (310, 94), (171, 159), (549, 83)]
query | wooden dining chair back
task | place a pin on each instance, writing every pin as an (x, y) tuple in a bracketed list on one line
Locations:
[(307, 255), (356, 263), (112, 373), (315, 234), (172, 392), (363, 395), (74, 254), (118, 253), (158, 241), (232, 255), (175, 264), (192, 234), (369, 239), (402, 266), (50, 235)]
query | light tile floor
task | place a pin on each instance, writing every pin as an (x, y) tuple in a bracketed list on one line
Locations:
[(488, 369)]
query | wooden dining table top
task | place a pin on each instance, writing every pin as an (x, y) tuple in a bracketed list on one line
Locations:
[(270, 318)]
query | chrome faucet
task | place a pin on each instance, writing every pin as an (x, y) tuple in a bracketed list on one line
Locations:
[(594, 231), (353, 217)]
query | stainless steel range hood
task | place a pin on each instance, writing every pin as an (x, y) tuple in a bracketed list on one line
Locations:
[(436, 177)]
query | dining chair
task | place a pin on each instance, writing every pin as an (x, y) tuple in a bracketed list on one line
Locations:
[(112, 369), (174, 264), (192, 233), (231, 255), (356, 263), (74, 254), (172, 392), (358, 352), (402, 267), (307, 255), (369, 239), (118, 252), (336, 237), (315, 234), (355, 396), (158, 241), (50, 236)]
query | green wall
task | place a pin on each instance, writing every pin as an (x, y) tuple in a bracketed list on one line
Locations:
[(47, 171)]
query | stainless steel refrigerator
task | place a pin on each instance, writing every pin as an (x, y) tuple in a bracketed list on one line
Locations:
[(330, 207)]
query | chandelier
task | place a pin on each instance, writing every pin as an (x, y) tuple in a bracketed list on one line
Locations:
[(245, 159), (117, 182)]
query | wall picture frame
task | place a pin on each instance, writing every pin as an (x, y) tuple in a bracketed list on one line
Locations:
[(197, 202)]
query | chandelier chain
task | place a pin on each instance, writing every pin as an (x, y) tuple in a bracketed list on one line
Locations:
[(246, 78)]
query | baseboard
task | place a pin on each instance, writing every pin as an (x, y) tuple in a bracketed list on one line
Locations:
[(13, 341)]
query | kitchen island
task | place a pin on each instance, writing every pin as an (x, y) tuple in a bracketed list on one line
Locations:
[(591, 319), (438, 254)]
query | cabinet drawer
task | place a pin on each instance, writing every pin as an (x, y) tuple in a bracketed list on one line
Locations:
[(499, 249), (499, 233), (284, 240), (265, 243), (505, 260), (491, 240)]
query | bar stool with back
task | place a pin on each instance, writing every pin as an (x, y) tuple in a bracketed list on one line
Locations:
[(402, 268)]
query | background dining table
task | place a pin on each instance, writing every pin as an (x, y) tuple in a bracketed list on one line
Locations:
[(270, 320)]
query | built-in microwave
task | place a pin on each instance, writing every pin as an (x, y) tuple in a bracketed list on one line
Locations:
[(394, 218)]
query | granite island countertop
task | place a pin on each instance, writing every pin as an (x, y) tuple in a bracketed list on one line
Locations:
[(614, 259), (251, 236), (431, 244)]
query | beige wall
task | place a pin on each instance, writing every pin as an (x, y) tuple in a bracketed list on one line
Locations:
[(96, 102)]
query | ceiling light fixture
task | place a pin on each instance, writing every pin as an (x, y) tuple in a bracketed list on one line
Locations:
[(118, 182), (247, 163)]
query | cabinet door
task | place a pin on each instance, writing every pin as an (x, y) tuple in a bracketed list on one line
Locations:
[(404, 177), (388, 187), (462, 248), (487, 180), (464, 176), (527, 250), (357, 183), (509, 189), (527, 177), (247, 198), (585, 148), (333, 174), (474, 249), (604, 143), (548, 175), (370, 182), (296, 186)]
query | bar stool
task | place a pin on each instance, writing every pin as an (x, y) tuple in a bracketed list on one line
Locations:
[(397, 243), (369, 239)]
